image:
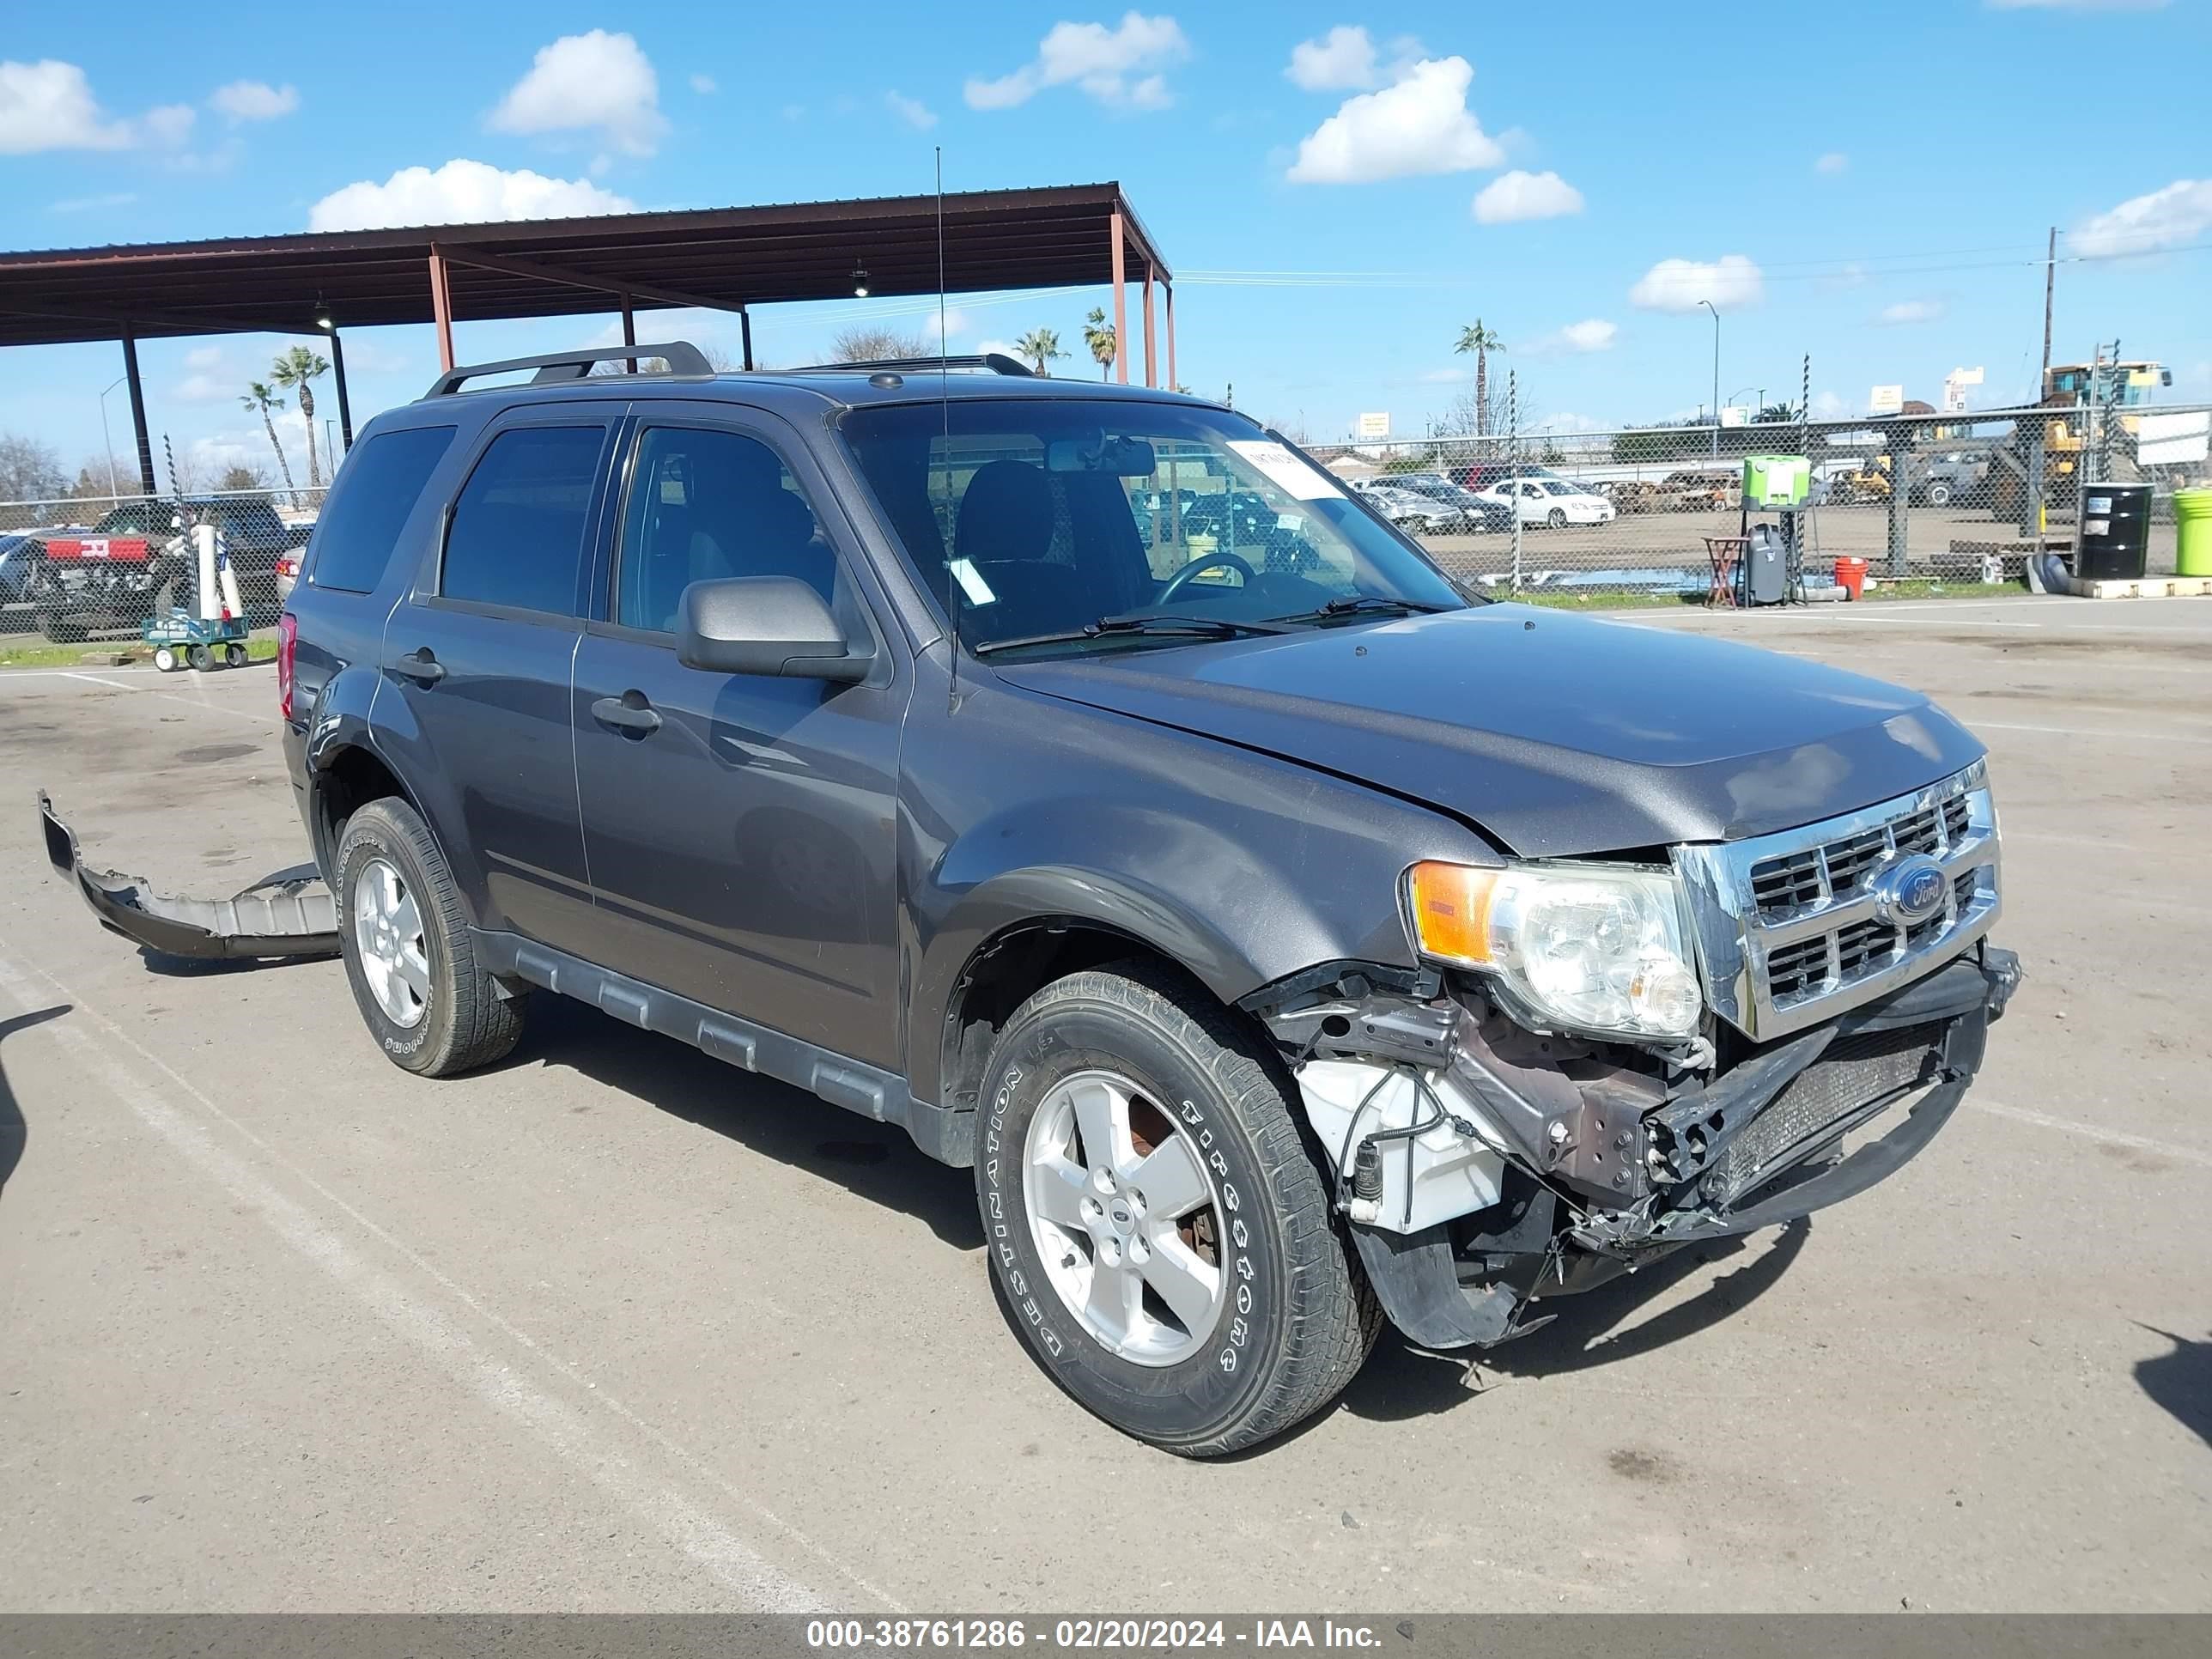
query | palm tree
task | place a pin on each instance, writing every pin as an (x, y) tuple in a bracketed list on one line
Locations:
[(1105, 345), (291, 372), (1775, 412), (1039, 347), (260, 400), (1481, 342)]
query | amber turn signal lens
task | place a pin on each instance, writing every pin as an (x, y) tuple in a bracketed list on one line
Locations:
[(1451, 911)]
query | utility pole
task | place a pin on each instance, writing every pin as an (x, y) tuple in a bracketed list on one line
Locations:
[(2049, 283), (1708, 306)]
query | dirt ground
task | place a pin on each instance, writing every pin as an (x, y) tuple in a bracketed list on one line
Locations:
[(613, 1327)]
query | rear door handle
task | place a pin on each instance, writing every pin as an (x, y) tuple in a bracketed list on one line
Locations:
[(420, 667), (625, 715)]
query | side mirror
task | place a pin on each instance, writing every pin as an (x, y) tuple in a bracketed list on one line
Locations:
[(762, 625)]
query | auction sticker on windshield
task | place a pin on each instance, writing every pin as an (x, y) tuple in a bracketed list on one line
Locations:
[(1303, 481)]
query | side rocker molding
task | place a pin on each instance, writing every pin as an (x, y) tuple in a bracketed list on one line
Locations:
[(946, 1136)]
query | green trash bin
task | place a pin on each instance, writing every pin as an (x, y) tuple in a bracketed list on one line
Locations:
[(2192, 528)]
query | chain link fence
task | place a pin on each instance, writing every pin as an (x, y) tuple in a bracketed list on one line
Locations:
[(86, 566), (1958, 498)]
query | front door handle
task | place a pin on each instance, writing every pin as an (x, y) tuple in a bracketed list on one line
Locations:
[(420, 667), (628, 712)]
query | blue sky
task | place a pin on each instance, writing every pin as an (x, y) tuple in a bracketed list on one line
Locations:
[(1870, 183)]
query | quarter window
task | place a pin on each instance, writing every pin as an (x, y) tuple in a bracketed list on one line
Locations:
[(376, 490), (705, 505), (517, 538)]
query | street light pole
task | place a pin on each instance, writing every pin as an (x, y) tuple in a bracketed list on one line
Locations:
[(1708, 306), (105, 443)]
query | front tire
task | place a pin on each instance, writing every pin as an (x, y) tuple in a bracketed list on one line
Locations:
[(1557, 518), (1161, 1237), (408, 953)]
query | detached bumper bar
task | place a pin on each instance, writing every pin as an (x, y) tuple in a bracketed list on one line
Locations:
[(284, 916)]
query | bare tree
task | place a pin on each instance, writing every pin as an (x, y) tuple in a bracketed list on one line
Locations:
[(239, 476), (29, 471), (870, 343)]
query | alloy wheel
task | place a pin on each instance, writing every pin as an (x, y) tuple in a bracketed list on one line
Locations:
[(1126, 1217)]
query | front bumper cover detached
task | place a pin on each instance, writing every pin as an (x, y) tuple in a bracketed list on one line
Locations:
[(288, 915)]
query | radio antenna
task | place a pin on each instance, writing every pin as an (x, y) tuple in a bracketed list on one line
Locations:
[(944, 401)]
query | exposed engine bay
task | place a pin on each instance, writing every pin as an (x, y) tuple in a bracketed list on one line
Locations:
[(1482, 1165)]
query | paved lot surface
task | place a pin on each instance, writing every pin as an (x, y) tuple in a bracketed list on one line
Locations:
[(616, 1327)]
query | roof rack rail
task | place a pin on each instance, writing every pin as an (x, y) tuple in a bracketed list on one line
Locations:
[(997, 362), (681, 356)]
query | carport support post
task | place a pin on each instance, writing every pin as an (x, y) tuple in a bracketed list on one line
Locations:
[(1120, 304), (345, 404), (1152, 370), (441, 309), (1172, 382), (139, 411), (630, 333), (745, 332)]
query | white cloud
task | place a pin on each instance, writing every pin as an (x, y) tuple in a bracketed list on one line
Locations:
[(1342, 58), (1684, 284), (996, 348), (203, 356), (1834, 161), (705, 85), (1513, 197), (253, 100), (168, 125), (205, 387), (1827, 406), (1099, 60), (1910, 311), (94, 203), (459, 192), (912, 111), (1595, 335), (49, 104), (2180, 213), (1420, 123), (598, 81)]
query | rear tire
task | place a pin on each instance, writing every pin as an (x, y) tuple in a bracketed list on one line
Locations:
[(165, 659), (200, 657), (1265, 1316), (1557, 518), (451, 1017), (61, 632)]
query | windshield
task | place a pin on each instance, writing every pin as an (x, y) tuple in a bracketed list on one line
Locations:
[(1042, 518)]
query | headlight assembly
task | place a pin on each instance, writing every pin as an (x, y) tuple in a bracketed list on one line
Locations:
[(1587, 947)]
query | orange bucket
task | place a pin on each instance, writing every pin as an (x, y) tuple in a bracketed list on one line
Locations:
[(1850, 576)]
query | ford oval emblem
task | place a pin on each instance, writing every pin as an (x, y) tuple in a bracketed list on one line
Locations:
[(1911, 891)]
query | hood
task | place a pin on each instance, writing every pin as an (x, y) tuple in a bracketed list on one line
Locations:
[(1555, 734)]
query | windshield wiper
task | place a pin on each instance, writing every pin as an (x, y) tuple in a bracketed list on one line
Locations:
[(1204, 627), (1364, 604)]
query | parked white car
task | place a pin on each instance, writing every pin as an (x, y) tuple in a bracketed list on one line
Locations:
[(1553, 502)]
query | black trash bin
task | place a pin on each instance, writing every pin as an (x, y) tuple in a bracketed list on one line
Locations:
[(2115, 540)]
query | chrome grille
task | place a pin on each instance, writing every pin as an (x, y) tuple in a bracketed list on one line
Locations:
[(1790, 928)]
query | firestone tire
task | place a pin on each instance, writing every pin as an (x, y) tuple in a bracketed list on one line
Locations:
[(1296, 1318), (464, 1022)]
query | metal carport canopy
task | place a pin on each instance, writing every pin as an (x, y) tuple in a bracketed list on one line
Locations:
[(725, 258)]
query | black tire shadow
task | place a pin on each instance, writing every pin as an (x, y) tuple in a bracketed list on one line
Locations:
[(874, 1161), (2181, 1382), (1400, 1381), (15, 1134)]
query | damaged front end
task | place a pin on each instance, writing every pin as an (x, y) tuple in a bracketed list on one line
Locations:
[(1482, 1165), (288, 915)]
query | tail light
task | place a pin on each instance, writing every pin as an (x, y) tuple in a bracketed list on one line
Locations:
[(288, 646)]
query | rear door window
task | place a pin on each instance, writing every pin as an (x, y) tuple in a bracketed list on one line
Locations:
[(376, 490), (516, 537)]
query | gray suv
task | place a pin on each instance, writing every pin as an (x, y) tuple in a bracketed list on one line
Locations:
[(1288, 940)]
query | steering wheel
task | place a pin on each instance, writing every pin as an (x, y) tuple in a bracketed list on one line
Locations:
[(1182, 578)]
